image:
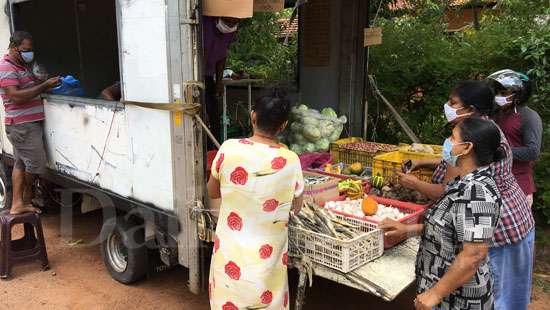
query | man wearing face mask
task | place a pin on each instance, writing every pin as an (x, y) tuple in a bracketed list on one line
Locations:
[(219, 33), (521, 125), (20, 92)]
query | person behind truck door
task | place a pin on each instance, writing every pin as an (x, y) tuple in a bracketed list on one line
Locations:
[(111, 92), (514, 237), (24, 112), (452, 265), (219, 33), (259, 182)]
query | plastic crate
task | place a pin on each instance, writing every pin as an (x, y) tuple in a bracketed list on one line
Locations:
[(342, 255), (415, 216), (387, 165), (438, 149), (350, 156), (335, 147)]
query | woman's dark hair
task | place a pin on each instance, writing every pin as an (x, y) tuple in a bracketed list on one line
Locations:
[(476, 94), (272, 111), (486, 138)]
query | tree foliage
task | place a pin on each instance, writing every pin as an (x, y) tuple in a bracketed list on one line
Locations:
[(419, 62)]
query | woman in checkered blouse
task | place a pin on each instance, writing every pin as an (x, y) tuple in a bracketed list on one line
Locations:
[(511, 255), (452, 266)]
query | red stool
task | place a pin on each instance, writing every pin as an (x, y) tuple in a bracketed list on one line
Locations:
[(29, 248)]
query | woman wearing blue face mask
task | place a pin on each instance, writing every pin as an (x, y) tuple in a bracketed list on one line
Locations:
[(511, 251), (452, 266)]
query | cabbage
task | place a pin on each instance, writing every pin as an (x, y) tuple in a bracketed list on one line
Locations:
[(329, 112), (298, 138), (296, 127), (296, 148), (322, 145), (337, 132), (302, 107), (311, 133), (309, 148), (308, 120), (326, 127)]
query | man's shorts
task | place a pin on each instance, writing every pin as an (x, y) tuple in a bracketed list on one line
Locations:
[(28, 146)]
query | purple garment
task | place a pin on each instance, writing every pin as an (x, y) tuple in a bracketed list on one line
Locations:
[(216, 44)]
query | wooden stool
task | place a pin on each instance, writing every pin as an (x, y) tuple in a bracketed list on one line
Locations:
[(29, 248)]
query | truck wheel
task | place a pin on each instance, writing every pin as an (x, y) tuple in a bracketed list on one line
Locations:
[(123, 250), (5, 187)]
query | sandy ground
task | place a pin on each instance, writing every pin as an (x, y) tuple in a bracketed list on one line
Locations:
[(79, 280)]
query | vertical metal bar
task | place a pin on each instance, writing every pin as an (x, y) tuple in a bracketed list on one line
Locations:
[(119, 41), (366, 74), (249, 103), (224, 113), (12, 21), (79, 42)]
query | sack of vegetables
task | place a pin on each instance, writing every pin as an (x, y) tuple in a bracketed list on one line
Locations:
[(313, 131)]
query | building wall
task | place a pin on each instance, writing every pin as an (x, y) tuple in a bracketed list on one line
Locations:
[(319, 85), (4, 28)]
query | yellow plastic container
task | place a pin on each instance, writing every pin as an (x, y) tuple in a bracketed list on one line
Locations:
[(388, 164), (438, 151), (335, 147)]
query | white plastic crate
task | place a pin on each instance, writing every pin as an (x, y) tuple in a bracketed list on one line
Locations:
[(342, 255)]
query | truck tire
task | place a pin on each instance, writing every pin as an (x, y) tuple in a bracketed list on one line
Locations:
[(123, 250), (5, 187)]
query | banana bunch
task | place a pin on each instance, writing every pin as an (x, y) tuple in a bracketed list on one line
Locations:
[(352, 188)]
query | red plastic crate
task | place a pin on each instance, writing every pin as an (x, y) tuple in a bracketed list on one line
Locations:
[(415, 215)]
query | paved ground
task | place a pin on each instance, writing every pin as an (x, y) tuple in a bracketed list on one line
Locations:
[(78, 280)]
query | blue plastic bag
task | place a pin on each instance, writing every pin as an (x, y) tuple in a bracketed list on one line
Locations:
[(69, 87)]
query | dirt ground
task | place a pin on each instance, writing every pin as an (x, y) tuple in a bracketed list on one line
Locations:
[(79, 280)]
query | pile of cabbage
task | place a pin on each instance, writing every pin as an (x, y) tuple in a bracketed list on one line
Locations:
[(313, 131)]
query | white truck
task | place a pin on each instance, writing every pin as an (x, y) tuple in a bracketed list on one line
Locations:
[(147, 162)]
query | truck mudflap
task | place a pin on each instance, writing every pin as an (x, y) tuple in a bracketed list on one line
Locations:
[(385, 277)]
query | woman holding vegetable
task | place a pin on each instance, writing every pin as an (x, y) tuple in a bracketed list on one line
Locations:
[(511, 251), (452, 266), (258, 182)]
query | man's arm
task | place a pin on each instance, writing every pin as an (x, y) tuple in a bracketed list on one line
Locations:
[(18, 96), (531, 132)]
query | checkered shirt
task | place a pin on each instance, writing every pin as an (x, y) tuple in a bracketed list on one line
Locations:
[(516, 216)]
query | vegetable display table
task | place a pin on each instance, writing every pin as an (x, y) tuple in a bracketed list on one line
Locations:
[(385, 277)]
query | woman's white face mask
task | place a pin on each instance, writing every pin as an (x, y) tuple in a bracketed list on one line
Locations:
[(224, 28), (452, 113), (503, 100)]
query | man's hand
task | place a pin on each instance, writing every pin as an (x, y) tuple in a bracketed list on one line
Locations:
[(427, 300), (52, 82), (407, 180), (394, 228)]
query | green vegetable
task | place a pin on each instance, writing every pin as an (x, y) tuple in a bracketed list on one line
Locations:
[(308, 120), (322, 145), (296, 148), (298, 138), (302, 107), (296, 127), (326, 127), (311, 133), (329, 112), (309, 148), (337, 132)]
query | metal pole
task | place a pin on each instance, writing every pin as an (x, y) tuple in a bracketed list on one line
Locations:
[(365, 74), (224, 120), (249, 103)]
